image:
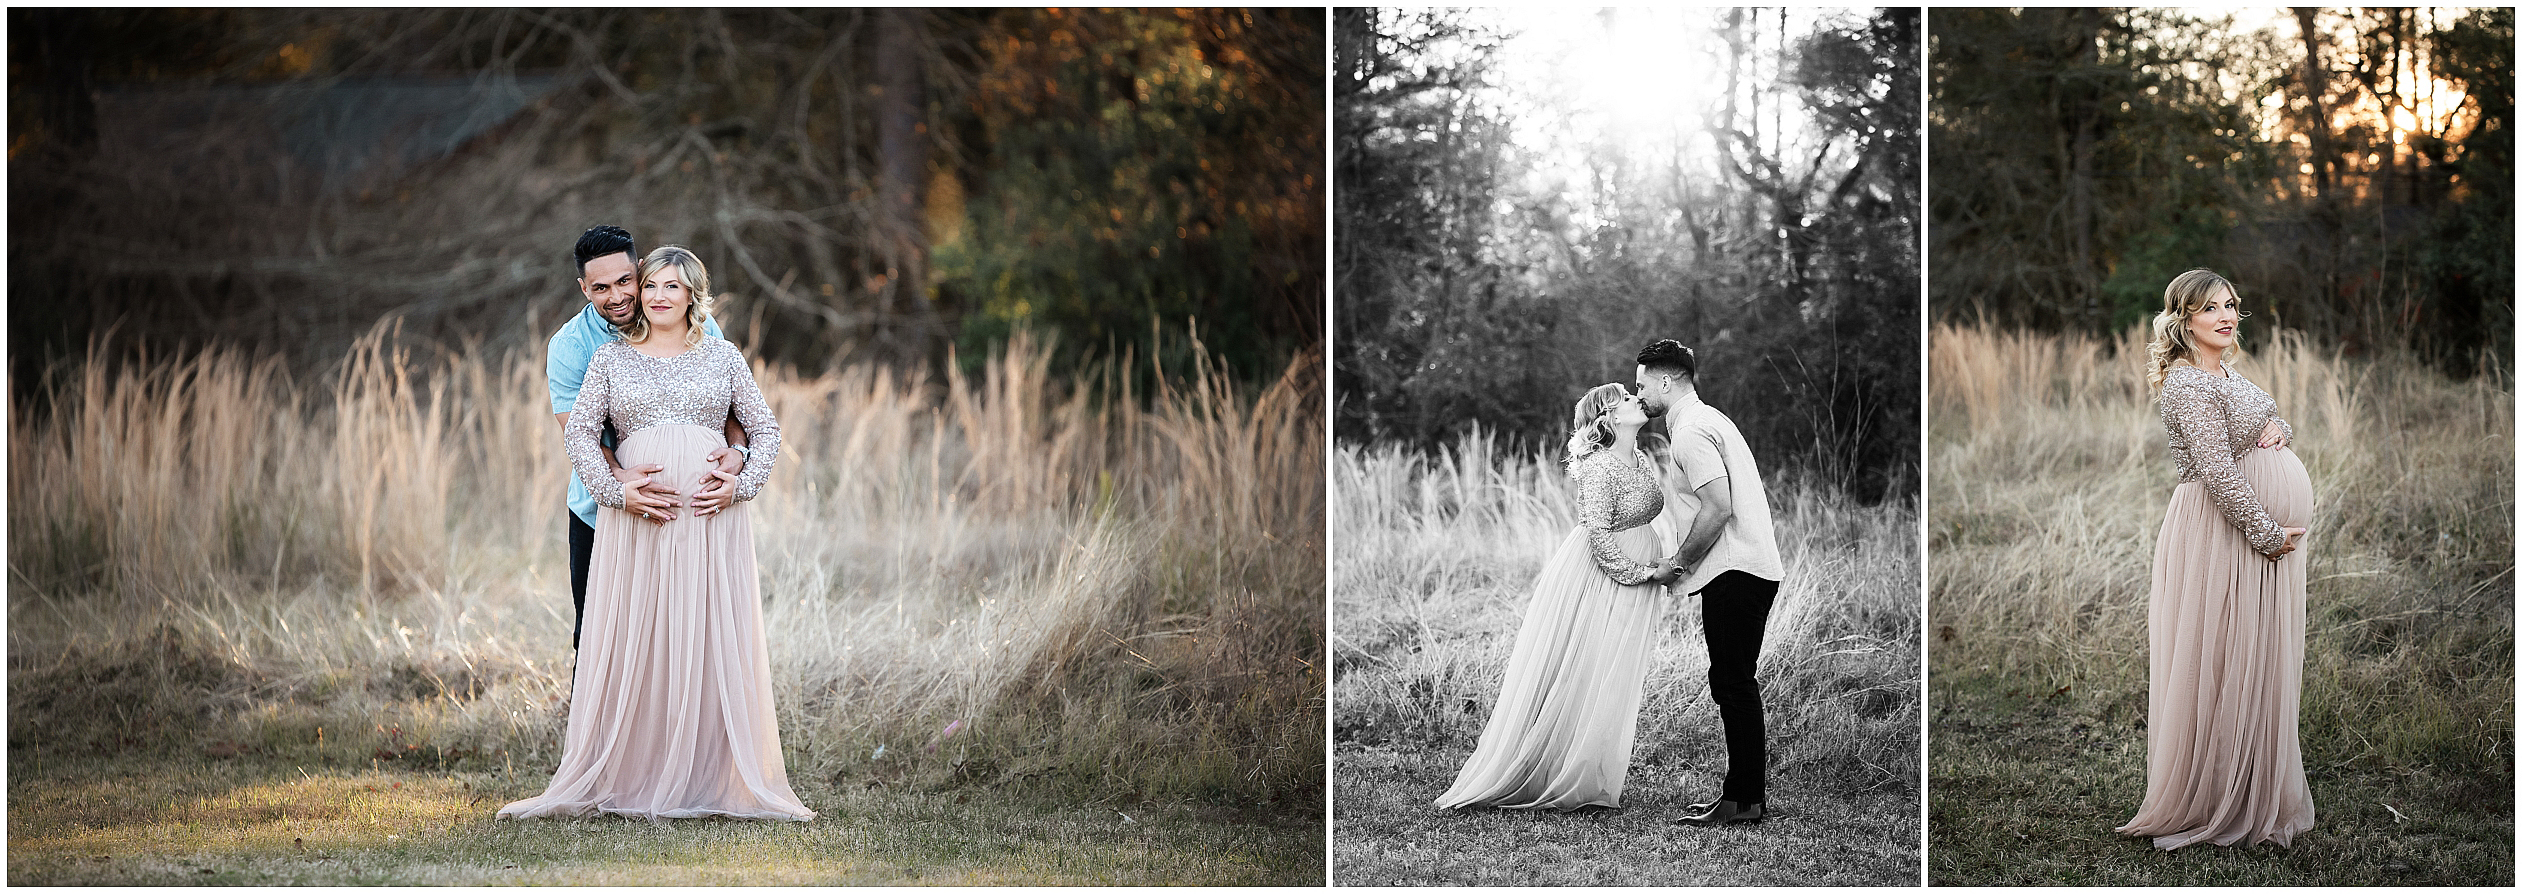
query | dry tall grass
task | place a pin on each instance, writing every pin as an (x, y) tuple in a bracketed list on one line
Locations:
[(1435, 564), (1114, 595), (2049, 479)]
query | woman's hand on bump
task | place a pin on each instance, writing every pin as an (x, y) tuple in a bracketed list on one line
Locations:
[(2274, 436), (2294, 541), (643, 495), (718, 491)]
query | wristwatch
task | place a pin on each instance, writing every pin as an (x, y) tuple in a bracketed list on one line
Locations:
[(746, 452)]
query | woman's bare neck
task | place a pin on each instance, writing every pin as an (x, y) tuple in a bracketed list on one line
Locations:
[(662, 344)]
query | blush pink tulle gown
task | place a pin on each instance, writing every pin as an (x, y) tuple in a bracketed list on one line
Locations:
[(670, 713), (2224, 763)]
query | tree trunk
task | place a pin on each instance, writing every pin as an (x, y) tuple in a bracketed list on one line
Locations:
[(902, 142), (2323, 218), (2316, 93), (59, 38), (2085, 107)]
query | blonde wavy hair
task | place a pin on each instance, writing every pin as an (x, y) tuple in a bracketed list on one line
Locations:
[(695, 283), (2184, 297), (1591, 423)]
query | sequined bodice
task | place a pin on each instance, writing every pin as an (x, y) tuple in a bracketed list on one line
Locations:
[(1615, 490), (697, 387), (1616, 493), (2210, 421)]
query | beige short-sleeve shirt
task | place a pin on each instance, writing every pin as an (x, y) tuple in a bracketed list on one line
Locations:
[(1706, 446)]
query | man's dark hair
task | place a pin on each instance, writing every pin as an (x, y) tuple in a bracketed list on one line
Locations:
[(1670, 357), (597, 242)]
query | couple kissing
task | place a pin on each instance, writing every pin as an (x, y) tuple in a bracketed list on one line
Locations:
[(1566, 716)]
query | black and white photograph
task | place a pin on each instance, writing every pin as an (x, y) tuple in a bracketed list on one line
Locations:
[(622, 446), (1625, 469)]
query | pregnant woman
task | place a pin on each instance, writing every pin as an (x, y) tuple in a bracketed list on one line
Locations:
[(1567, 713), (670, 713), (2224, 763)]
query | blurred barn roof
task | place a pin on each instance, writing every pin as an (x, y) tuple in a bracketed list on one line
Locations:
[(342, 133)]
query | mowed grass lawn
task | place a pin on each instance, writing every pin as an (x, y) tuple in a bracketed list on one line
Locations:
[(160, 820), (1390, 835)]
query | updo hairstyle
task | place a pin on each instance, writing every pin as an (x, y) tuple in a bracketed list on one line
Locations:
[(2187, 294)]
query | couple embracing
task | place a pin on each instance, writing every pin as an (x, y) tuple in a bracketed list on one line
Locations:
[(669, 438), (1566, 716)]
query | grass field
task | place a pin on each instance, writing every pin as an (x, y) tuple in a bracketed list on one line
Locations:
[(2048, 481), (1434, 563), (298, 819), (1011, 588)]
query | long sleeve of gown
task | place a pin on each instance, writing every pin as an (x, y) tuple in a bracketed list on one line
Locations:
[(2195, 421), (1594, 510), (760, 427), (586, 429)]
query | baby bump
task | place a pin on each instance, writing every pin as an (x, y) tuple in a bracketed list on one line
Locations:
[(2278, 478), (682, 449), (1639, 543)]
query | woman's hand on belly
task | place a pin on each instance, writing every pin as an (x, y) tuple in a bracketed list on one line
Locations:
[(2273, 436), (1639, 544), (645, 493), (717, 492), (2294, 541)]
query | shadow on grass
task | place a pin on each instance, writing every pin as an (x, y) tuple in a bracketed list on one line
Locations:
[(1386, 833), (2027, 786), (141, 819)]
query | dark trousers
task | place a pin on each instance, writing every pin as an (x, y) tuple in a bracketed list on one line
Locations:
[(1734, 612), (581, 549)]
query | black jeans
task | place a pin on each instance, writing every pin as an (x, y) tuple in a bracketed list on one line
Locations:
[(1734, 612), (581, 549)]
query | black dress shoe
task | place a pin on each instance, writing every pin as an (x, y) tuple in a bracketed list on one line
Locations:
[(1725, 813)]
